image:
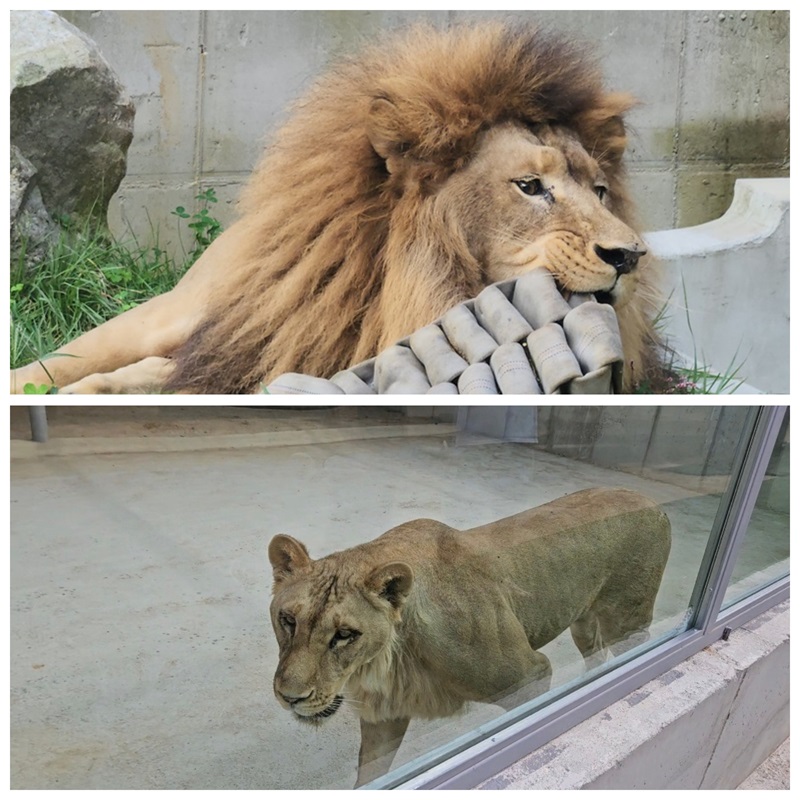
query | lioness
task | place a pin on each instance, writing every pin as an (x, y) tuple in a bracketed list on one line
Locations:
[(411, 177), (425, 617)]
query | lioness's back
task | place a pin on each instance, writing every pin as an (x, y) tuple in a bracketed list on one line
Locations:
[(615, 527)]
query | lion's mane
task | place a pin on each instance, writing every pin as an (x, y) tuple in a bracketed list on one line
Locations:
[(321, 234)]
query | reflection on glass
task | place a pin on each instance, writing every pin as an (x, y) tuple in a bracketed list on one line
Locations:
[(764, 555)]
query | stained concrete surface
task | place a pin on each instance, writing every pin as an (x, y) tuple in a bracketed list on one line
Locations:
[(142, 653)]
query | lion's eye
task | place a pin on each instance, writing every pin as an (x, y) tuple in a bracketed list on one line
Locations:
[(531, 186), (288, 621), (343, 635), (601, 192)]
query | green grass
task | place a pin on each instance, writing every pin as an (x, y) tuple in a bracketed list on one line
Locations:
[(694, 379), (89, 277), (691, 380), (86, 279)]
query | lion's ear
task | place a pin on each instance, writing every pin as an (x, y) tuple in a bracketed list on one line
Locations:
[(383, 130), (603, 128), (392, 582), (287, 556)]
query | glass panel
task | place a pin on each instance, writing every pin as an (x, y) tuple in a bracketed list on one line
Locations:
[(764, 555), (142, 649)]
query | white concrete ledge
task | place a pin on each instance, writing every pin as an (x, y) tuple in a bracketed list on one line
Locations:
[(756, 211), (727, 284), (706, 724)]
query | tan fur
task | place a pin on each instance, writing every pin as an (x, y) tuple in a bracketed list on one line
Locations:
[(436, 617), (388, 198)]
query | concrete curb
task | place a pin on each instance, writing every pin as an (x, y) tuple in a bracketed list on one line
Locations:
[(91, 445), (772, 773)]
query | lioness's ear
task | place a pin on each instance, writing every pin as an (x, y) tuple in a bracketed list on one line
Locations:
[(392, 582), (287, 556), (383, 130)]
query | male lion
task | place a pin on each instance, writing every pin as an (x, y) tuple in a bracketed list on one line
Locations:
[(407, 180), (425, 617)]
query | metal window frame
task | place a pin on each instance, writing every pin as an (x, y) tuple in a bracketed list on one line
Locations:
[(482, 760)]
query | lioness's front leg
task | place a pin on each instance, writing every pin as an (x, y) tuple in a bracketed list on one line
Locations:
[(539, 673), (379, 744)]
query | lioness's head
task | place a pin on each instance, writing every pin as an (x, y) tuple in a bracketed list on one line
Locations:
[(331, 617)]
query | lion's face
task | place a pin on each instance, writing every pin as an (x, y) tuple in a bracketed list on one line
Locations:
[(329, 624), (541, 200)]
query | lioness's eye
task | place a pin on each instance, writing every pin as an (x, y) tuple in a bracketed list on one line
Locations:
[(601, 192), (530, 186), (287, 620), (343, 635)]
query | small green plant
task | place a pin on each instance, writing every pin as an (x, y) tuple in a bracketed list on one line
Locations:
[(205, 227), (43, 388), (674, 379)]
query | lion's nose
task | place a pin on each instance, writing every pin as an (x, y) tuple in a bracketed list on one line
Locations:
[(621, 258)]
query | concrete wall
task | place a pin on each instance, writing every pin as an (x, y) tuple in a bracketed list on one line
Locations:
[(692, 446), (208, 86), (690, 441)]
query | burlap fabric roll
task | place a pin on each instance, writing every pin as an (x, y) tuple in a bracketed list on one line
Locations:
[(516, 337)]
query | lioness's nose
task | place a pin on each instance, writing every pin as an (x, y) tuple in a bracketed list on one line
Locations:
[(621, 258), (292, 699)]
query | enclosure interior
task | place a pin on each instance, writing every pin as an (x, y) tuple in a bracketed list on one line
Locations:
[(142, 652)]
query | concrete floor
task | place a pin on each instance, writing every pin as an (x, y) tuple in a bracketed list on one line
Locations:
[(142, 653)]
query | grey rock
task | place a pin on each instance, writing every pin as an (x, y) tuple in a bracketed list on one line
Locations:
[(70, 116), (32, 228)]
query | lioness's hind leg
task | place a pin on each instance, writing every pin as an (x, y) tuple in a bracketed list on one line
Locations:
[(624, 632), (624, 625), (145, 376), (587, 635)]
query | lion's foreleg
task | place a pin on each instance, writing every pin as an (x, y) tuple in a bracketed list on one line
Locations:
[(144, 377), (155, 328), (379, 744)]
